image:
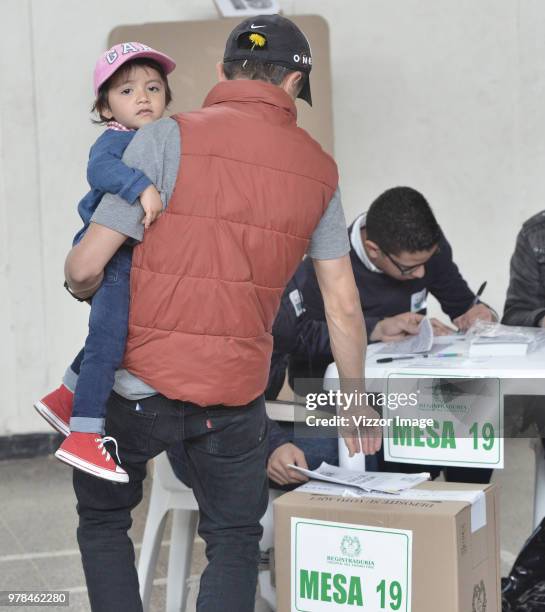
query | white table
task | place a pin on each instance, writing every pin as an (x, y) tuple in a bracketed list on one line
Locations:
[(514, 371), (523, 375)]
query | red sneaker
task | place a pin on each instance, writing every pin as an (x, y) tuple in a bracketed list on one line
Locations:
[(56, 409), (86, 452)]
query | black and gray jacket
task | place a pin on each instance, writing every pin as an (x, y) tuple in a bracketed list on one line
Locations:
[(304, 334), (525, 303)]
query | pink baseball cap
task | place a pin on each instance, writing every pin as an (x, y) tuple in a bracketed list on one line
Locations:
[(114, 58)]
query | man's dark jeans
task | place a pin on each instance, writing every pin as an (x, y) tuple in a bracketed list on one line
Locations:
[(225, 452)]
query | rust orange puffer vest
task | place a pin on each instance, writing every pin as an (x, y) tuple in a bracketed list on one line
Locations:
[(206, 282)]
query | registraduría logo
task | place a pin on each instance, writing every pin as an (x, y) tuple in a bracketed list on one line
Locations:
[(349, 554), (350, 546)]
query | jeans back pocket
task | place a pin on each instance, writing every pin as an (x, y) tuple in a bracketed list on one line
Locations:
[(236, 431)]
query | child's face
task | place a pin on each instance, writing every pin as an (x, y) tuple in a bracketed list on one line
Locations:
[(137, 99)]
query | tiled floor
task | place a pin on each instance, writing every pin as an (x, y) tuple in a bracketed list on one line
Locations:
[(38, 547)]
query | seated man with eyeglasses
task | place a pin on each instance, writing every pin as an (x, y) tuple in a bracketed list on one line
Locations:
[(399, 256)]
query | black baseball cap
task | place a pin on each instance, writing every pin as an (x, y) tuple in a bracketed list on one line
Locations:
[(285, 45)]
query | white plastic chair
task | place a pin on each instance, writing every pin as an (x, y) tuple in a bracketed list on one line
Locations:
[(266, 589), (168, 493)]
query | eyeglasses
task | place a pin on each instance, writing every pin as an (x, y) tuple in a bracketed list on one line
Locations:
[(407, 270)]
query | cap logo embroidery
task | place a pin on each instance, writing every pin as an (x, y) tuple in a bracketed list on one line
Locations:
[(302, 59), (128, 48), (111, 56), (254, 27)]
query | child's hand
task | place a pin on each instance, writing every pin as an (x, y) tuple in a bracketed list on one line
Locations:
[(152, 205)]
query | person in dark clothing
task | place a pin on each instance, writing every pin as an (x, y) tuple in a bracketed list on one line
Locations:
[(399, 256), (525, 303), (525, 306)]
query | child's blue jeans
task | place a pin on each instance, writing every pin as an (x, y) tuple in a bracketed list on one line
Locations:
[(96, 364)]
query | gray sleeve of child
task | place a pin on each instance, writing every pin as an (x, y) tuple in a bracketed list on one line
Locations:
[(155, 150)]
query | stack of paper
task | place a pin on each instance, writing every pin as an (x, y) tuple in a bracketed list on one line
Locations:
[(499, 346), (379, 482)]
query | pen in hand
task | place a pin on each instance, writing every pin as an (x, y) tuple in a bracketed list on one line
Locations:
[(477, 299)]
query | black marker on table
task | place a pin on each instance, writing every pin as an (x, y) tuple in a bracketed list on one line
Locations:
[(390, 359)]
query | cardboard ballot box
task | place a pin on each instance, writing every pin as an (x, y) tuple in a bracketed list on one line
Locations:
[(349, 553)]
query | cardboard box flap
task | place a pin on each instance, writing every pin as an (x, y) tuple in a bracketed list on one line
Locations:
[(391, 506)]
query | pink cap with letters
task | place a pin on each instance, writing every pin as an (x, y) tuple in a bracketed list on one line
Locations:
[(115, 57)]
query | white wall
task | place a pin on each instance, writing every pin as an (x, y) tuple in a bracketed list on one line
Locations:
[(443, 95)]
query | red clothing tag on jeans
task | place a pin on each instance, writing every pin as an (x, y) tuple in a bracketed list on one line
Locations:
[(209, 423)]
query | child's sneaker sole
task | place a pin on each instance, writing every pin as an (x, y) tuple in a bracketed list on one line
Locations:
[(52, 418), (90, 468)]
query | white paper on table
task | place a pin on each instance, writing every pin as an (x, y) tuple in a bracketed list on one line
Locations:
[(419, 343), (477, 499), (383, 482), (330, 488)]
